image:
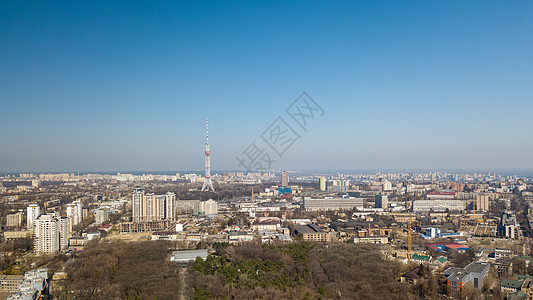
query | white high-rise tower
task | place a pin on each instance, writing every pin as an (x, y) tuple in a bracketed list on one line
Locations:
[(208, 183)]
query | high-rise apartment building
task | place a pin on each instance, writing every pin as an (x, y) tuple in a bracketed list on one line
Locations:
[(102, 215), (381, 201), (151, 207), (284, 179), (322, 183), (33, 211), (207, 208), (74, 214), (51, 233), (482, 202), (14, 220)]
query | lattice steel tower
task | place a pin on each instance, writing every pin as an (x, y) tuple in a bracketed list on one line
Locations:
[(208, 183)]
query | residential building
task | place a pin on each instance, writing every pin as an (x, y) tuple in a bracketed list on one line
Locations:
[(482, 202), (381, 201), (206, 208), (33, 211), (51, 233), (102, 215), (151, 207), (74, 214), (14, 220), (322, 183), (284, 179)]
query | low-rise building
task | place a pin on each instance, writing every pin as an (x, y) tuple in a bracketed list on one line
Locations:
[(185, 256), (475, 272), (312, 233), (10, 283)]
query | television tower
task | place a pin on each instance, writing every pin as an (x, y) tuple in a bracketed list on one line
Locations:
[(208, 183)]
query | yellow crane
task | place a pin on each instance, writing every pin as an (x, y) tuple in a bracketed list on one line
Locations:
[(409, 242)]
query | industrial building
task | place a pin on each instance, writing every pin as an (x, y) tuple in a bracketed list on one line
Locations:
[(438, 205), (329, 203)]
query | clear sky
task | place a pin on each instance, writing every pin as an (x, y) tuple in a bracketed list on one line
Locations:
[(97, 85)]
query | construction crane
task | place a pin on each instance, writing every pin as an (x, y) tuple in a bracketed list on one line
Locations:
[(409, 242)]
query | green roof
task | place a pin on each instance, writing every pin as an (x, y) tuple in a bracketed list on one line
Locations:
[(421, 257), (511, 283), (442, 259)]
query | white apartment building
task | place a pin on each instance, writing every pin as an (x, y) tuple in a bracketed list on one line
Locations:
[(102, 215), (51, 233), (33, 211), (14, 220), (207, 208), (74, 214)]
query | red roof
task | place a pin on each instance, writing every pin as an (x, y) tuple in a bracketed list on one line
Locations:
[(106, 226)]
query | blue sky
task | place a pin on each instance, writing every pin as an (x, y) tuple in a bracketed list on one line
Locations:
[(95, 86)]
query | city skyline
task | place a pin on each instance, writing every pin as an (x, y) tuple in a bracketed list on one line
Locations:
[(417, 85)]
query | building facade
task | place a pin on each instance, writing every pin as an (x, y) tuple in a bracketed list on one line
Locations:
[(381, 201), (51, 233), (429, 205), (151, 207), (284, 179), (14, 220), (311, 204), (33, 211)]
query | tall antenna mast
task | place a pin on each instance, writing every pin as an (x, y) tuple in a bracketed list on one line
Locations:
[(208, 183)]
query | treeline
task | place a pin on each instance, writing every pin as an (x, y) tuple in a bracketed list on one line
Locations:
[(298, 271), (119, 270)]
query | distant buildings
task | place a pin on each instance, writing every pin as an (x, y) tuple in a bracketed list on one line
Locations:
[(206, 208), (284, 179), (33, 211), (440, 205), (332, 203), (338, 185), (102, 215), (51, 233), (151, 207), (14, 220), (482, 202), (74, 214), (442, 195), (381, 201), (322, 183)]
